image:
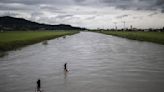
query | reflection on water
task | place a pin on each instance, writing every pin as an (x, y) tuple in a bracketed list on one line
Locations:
[(96, 63), (65, 74), (45, 42), (2, 54)]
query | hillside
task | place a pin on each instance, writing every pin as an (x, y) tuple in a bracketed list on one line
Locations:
[(14, 24)]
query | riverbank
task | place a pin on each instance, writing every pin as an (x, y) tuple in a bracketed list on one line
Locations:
[(155, 37), (14, 40)]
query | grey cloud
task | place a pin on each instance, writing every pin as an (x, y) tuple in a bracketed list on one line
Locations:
[(47, 20), (122, 16), (48, 7), (79, 0), (9, 14), (159, 2), (64, 16), (120, 4), (152, 5), (15, 6), (162, 11), (78, 11), (138, 17), (36, 15), (51, 8), (152, 14), (136, 4), (37, 2), (91, 18)]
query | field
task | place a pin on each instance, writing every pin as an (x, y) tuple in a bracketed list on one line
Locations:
[(156, 37), (13, 40)]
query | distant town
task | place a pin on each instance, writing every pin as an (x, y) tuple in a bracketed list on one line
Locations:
[(131, 28)]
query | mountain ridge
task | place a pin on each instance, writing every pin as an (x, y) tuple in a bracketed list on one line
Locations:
[(13, 24)]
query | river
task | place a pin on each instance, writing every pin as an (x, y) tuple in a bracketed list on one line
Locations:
[(96, 63)]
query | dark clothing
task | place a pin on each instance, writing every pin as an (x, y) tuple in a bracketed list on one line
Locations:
[(38, 85), (65, 67)]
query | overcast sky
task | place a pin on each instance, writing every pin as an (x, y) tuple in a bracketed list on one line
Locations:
[(88, 13)]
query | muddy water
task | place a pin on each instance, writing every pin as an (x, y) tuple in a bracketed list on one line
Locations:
[(96, 63)]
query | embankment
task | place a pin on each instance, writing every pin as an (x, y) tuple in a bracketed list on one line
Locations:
[(14, 40), (155, 37)]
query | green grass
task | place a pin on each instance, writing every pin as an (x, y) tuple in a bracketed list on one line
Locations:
[(156, 37), (13, 40)]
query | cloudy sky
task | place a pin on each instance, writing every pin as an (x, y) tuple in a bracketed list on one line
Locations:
[(88, 13)]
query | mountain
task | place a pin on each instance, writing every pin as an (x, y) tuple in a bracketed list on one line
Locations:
[(15, 24)]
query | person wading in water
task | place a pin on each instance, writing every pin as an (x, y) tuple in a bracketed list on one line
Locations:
[(65, 67), (38, 85)]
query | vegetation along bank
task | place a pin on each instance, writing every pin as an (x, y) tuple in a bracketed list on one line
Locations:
[(14, 40), (155, 37)]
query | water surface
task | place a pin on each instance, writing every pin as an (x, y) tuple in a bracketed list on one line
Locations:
[(96, 63)]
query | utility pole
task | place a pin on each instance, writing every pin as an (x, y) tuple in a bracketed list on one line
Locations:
[(123, 24), (115, 23), (131, 27)]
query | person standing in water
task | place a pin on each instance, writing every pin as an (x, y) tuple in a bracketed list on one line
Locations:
[(65, 67), (38, 85)]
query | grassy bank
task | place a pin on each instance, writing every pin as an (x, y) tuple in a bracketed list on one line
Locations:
[(156, 37), (13, 40)]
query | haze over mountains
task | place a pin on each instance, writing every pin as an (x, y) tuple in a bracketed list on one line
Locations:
[(14, 24)]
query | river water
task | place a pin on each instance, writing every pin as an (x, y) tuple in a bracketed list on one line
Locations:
[(96, 63)]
